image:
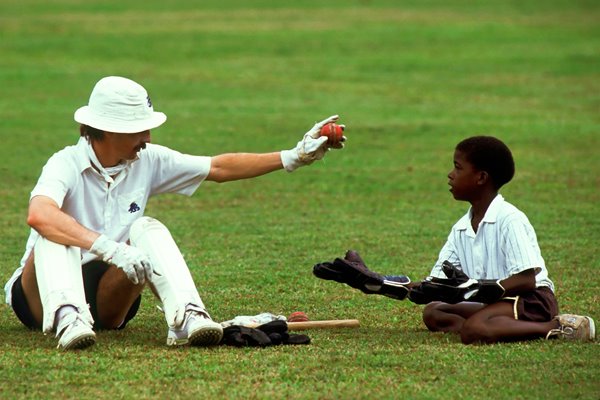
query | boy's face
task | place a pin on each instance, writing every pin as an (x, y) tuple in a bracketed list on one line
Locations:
[(464, 179)]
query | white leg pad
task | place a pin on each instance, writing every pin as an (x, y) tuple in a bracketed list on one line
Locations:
[(172, 279), (59, 279)]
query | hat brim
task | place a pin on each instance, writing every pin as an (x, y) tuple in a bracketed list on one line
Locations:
[(85, 116)]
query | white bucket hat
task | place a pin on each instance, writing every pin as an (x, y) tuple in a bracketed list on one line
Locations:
[(119, 105)]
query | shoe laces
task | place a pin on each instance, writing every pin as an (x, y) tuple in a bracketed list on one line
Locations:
[(561, 331)]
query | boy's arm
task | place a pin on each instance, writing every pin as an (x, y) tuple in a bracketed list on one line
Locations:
[(519, 283), (458, 287)]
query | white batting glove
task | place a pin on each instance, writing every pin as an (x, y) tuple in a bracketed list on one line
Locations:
[(133, 261), (312, 147)]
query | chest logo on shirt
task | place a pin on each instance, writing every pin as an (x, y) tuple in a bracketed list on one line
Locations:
[(133, 207)]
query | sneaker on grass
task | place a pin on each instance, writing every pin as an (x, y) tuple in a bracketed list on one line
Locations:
[(198, 329), (573, 327), (75, 333)]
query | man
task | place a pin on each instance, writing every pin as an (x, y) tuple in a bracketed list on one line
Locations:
[(91, 252)]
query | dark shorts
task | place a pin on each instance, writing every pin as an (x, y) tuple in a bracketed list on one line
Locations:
[(92, 272), (537, 306)]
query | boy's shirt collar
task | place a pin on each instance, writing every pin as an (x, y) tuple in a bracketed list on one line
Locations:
[(490, 217)]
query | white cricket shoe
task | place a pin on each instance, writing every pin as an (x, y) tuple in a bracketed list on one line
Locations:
[(198, 329), (75, 332)]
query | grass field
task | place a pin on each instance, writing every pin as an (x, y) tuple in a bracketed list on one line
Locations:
[(410, 79)]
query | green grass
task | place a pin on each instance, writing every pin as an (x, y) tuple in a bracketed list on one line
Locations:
[(410, 79)]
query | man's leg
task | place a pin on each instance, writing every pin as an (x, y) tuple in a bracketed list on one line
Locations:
[(31, 291), (188, 320), (53, 288), (115, 295)]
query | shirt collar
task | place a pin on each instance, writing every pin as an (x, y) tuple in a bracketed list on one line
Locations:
[(84, 161), (491, 214), (490, 217)]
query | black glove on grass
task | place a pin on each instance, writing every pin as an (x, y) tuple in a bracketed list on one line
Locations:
[(269, 334)]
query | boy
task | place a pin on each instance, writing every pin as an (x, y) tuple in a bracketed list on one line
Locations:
[(490, 283)]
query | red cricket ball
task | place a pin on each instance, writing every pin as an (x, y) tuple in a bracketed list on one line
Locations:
[(297, 316), (333, 132)]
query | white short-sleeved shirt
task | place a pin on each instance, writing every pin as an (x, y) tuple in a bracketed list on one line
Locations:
[(504, 245), (107, 206)]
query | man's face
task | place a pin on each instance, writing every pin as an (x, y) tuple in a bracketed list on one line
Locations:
[(464, 178), (127, 145)]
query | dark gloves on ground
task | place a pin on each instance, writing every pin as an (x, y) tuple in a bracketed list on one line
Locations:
[(456, 287), (241, 336), (352, 271), (269, 334)]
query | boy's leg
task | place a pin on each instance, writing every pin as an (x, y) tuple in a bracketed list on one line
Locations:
[(477, 322), (443, 317), (496, 323)]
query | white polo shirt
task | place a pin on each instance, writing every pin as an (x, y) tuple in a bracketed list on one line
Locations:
[(504, 245), (110, 206)]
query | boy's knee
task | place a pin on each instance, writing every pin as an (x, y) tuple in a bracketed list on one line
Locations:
[(430, 316), (474, 331)]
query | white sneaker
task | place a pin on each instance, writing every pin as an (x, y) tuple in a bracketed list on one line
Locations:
[(74, 332), (198, 329), (573, 327)]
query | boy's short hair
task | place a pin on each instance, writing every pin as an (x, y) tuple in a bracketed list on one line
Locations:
[(489, 154)]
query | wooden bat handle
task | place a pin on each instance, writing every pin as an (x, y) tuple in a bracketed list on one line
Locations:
[(334, 323)]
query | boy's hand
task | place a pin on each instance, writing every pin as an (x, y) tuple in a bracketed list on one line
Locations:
[(438, 289), (449, 289), (352, 271), (482, 290), (457, 287)]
